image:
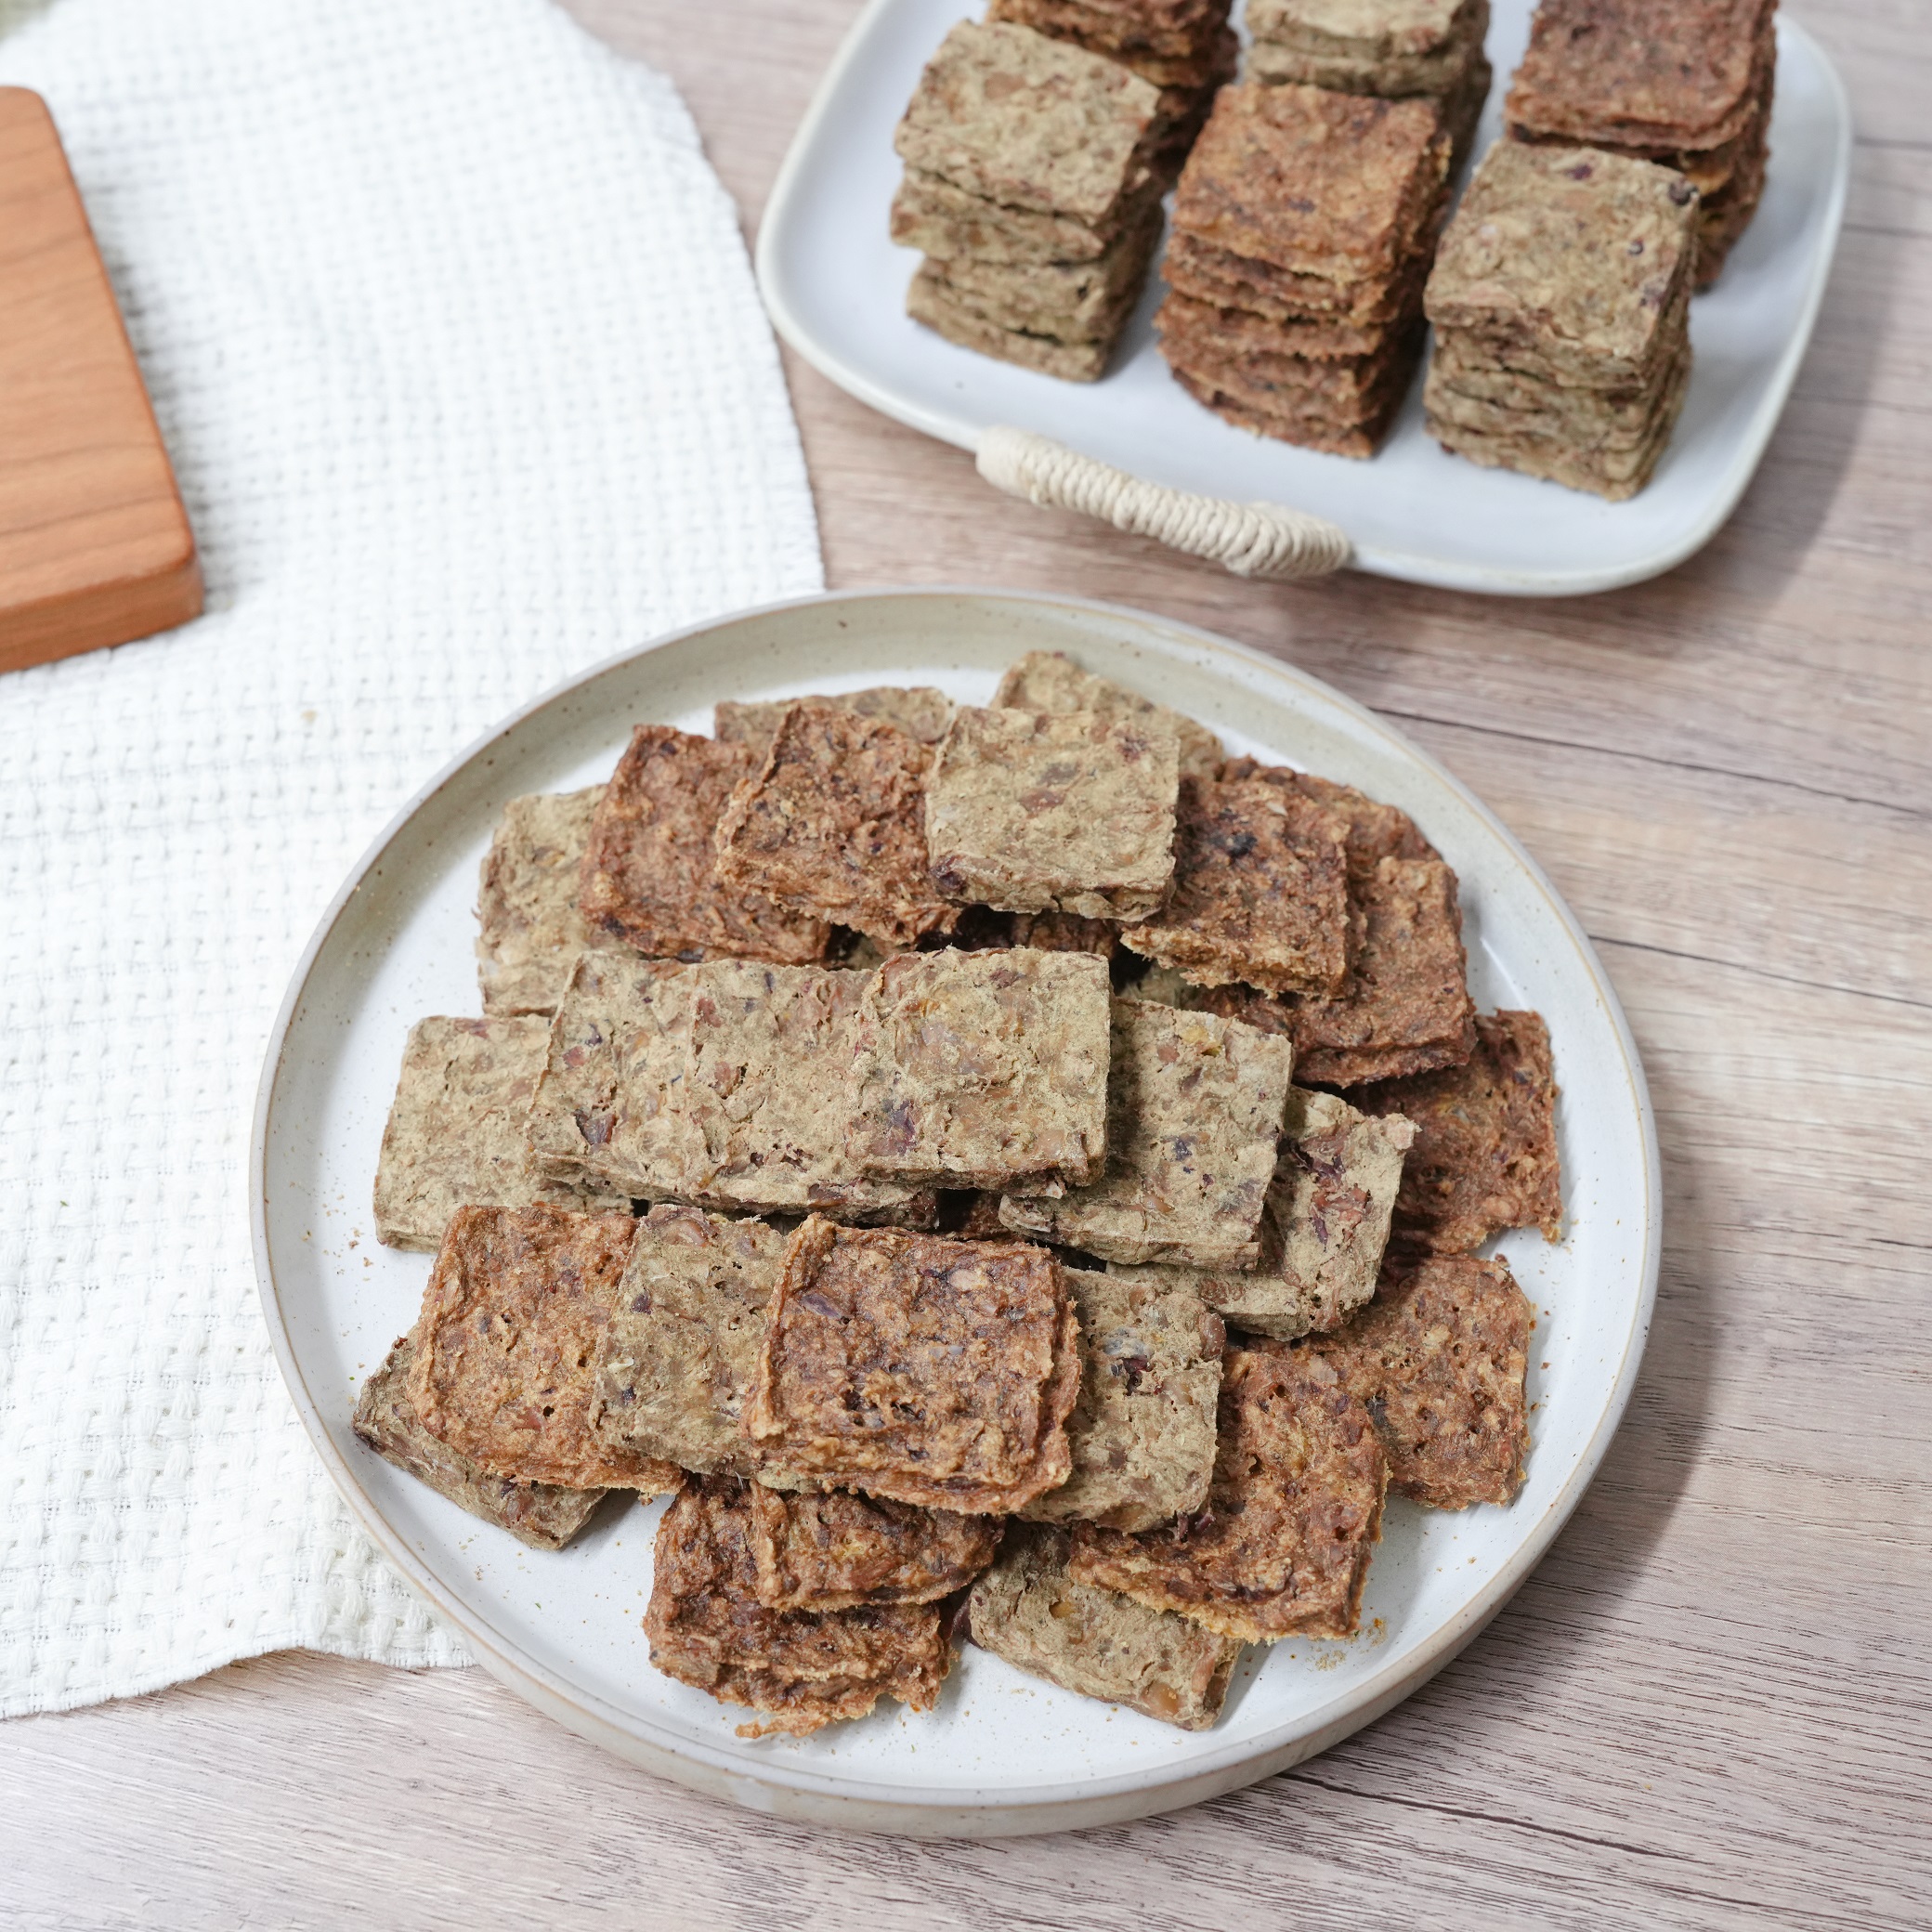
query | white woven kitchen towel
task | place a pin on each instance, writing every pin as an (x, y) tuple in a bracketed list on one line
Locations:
[(454, 344)]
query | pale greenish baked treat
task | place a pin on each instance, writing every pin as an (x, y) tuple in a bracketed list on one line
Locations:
[(1366, 30), (1087, 301), (917, 709), (530, 926), (930, 299), (942, 219), (1050, 681), (1504, 404)]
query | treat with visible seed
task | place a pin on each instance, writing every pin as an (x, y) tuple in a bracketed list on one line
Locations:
[(1376, 831), (1050, 681), (949, 224), (1283, 1548), (532, 927), (537, 1513), (836, 1550), (929, 1371), (983, 1069), (1193, 1111), (1027, 1610), (649, 869), (834, 821), (1441, 1361), (1143, 1431), (931, 299), (800, 1669), (1031, 810), (456, 1131), (506, 1347), (917, 709)]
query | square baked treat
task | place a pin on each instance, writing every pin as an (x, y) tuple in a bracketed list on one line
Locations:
[(506, 1347), (648, 872), (456, 1132), (835, 820), (802, 1669), (532, 927), (1143, 1431), (1485, 1152), (1032, 811), (1293, 1513), (1050, 681), (1260, 891), (1441, 1361), (929, 1371), (1086, 301), (1027, 1610), (932, 300), (917, 709), (536, 1513), (947, 223), (1368, 47), (836, 1550), (1194, 1113), (682, 1344), (983, 1069), (1376, 831)]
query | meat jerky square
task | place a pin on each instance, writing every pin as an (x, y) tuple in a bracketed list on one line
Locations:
[(1193, 1111), (1260, 891), (536, 1513), (917, 709), (1441, 1361), (649, 871), (532, 927), (930, 1371), (834, 821), (455, 1136), (1098, 1643), (1485, 1152), (1028, 811), (1050, 681), (1294, 1510), (836, 1550), (803, 1670), (1143, 1431), (505, 1368), (983, 1069), (683, 1341)]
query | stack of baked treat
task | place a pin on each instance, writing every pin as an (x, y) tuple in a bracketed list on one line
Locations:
[(1396, 48), (1303, 228), (1185, 47), (1686, 85), (930, 1308), (1560, 298), (1032, 188)]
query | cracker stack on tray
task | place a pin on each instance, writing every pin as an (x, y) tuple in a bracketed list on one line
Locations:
[(1303, 228), (1560, 297), (1396, 48), (1032, 189), (1687, 82)]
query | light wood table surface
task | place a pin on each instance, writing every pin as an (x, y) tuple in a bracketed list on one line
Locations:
[(1712, 1706)]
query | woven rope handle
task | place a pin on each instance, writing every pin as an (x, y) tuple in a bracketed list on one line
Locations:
[(1251, 539)]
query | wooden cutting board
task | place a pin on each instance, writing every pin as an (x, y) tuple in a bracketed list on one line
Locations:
[(95, 544)]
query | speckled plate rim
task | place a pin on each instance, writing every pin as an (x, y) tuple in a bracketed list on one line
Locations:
[(770, 1785)]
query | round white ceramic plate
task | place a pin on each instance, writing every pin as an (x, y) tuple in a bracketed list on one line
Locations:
[(1003, 1753)]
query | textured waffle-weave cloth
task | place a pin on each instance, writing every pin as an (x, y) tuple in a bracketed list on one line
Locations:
[(452, 338)]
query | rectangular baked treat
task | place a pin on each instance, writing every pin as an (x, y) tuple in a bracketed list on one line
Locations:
[(1260, 891), (1356, 434), (918, 709), (800, 1669), (457, 1128), (932, 300), (1143, 1431), (1376, 831), (1085, 301), (682, 1344), (928, 1371), (981, 1069), (1098, 1643), (834, 1549), (1485, 1152), (1027, 811), (1441, 1361), (648, 871), (506, 1346), (1219, 276), (947, 222), (834, 821), (1293, 1512), (537, 1513), (1050, 681), (531, 928), (1187, 325), (1367, 30), (1194, 1107)]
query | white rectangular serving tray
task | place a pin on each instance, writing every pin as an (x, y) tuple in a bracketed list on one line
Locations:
[(836, 288)]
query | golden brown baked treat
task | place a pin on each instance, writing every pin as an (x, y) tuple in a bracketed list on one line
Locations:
[(506, 1346), (1050, 681), (1282, 1549), (1440, 1360), (917, 709), (835, 1549), (531, 928), (1376, 831), (930, 1371), (648, 871), (802, 1669)]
